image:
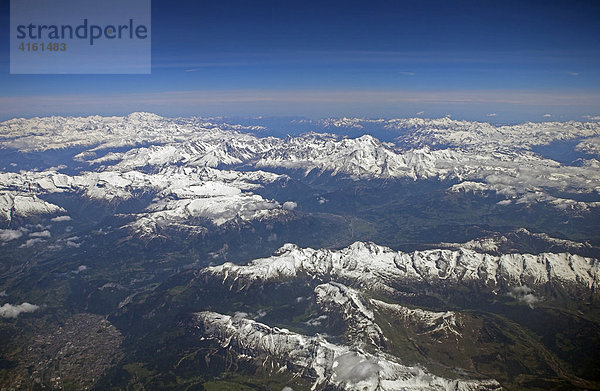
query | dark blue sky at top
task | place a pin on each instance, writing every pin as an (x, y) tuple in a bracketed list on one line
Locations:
[(376, 25), (412, 48)]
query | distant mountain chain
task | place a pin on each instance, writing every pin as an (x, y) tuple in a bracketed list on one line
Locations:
[(46, 133), (198, 169)]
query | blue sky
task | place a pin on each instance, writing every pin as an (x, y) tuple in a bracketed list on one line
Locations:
[(500, 61)]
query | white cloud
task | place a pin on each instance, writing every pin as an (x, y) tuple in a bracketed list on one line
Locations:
[(547, 115), (353, 368), (71, 243), (240, 315), (12, 311), (61, 218), (289, 205), (80, 269), (491, 114), (316, 321), (31, 242), (7, 235), (592, 117), (524, 295), (407, 73), (260, 314), (574, 73), (41, 234), (421, 112)]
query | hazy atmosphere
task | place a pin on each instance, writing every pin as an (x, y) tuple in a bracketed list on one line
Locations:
[(502, 62)]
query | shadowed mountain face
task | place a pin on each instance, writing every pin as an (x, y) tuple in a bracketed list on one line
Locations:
[(191, 252)]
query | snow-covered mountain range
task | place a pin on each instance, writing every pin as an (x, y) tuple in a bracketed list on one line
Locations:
[(355, 284), (179, 195), (324, 362), (378, 268), (479, 136), (163, 156), (519, 240), (211, 186)]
